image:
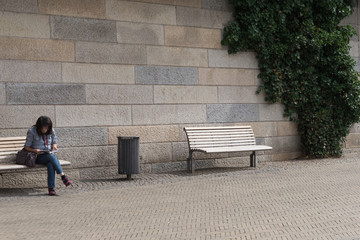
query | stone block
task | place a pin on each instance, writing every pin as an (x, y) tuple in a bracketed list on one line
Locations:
[(119, 94), (354, 48), (94, 156), (79, 137), (25, 179), (222, 76), (287, 129), (140, 12), (36, 49), (82, 29), (30, 71), (110, 53), (242, 94), (24, 25), (232, 113), (2, 94), (1, 184), (271, 112), (195, 17), (97, 73), (168, 114), (187, 3), (262, 129), (29, 93), (355, 128), (155, 152), (353, 140), (73, 8), (147, 134), (93, 115), (221, 59), (286, 156), (29, 6), (222, 5), (185, 94), (166, 75), (192, 37), (22, 116), (98, 172), (139, 33), (174, 56), (14, 132), (284, 144)]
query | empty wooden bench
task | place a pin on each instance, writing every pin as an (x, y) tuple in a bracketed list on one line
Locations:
[(222, 140), (9, 146)]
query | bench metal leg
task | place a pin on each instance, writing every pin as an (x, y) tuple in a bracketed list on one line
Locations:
[(253, 159), (191, 163)]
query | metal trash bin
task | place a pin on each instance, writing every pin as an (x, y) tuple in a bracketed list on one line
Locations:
[(128, 156)]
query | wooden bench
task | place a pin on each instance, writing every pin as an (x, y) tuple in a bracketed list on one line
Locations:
[(222, 140), (9, 146)]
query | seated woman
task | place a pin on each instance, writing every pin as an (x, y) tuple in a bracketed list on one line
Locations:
[(41, 137)]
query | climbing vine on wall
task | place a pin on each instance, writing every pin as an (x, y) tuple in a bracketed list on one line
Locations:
[(304, 63)]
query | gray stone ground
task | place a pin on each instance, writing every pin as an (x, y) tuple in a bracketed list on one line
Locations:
[(308, 199)]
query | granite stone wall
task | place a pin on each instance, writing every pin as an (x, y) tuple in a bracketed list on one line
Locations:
[(148, 68)]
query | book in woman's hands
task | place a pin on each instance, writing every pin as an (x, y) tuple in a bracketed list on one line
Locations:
[(48, 151)]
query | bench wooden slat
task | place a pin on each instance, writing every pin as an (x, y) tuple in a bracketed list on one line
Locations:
[(234, 149), (12, 138), (7, 167)]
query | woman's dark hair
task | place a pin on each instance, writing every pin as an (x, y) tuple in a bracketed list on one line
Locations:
[(44, 121)]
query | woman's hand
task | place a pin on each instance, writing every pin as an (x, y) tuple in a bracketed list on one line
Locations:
[(54, 147), (37, 151)]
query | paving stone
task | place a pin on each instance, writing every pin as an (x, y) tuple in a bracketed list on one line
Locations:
[(166, 75), (24, 25), (26, 93), (139, 33), (30, 71), (73, 8), (140, 12), (110, 53), (82, 29), (19, 5), (97, 73), (232, 113), (313, 199), (36, 49)]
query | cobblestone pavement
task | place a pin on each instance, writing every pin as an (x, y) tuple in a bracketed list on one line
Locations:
[(309, 199)]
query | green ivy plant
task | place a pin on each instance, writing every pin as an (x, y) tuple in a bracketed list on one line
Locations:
[(304, 63)]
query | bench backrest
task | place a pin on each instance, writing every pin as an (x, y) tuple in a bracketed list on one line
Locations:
[(210, 137), (9, 146)]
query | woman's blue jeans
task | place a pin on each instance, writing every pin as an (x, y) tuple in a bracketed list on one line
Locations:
[(52, 164)]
